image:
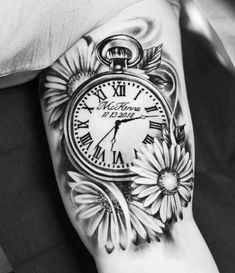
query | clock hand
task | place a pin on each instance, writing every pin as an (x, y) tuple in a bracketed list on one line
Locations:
[(140, 117), (116, 127), (117, 123), (106, 135)]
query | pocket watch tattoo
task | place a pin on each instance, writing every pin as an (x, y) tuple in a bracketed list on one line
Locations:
[(115, 104)]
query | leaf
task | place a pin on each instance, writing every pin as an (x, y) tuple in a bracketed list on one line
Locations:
[(179, 133), (166, 135), (159, 81), (151, 59)]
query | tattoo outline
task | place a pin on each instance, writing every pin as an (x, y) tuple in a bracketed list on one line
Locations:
[(135, 208)]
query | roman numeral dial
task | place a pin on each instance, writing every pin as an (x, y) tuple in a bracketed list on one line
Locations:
[(109, 122)]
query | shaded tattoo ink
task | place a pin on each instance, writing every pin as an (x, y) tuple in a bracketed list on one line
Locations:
[(116, 105)]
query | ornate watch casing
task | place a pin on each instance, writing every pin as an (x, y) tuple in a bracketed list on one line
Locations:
[(113, 113)]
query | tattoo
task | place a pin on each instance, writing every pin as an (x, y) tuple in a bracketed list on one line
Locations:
[(116, 105)]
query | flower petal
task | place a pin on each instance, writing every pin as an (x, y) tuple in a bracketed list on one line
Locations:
[(159, 155), (145, 181), (69, 59), (56, 104), (185, 194), (138, 226), (55, 114), (158, 145), (138, 189), (103, 231), (186, 170), (173, 206), (169, 208), (187, 185), (81, 188), (89, 212), (156, 205), (143, 164), (172, 156), (58, 68), (183, 162), (177, 156), (143, 172), (55, 79), (66, 68), (163, 209), (149, 200), (94, 223), (178, 206), (52, 92), (187, 178), (137, 204), (144, 218), (166, 154), (154, 163), (85, 199), (57, 98), (75, 176), (111, 238), (149, 147), (55, 85), (122, 232), (148, 191)]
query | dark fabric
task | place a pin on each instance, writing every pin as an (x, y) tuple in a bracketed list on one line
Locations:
[(35, 232), (5, 266), (211, 93)]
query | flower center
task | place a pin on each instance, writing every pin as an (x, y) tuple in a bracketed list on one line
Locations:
[(168, 182), (104, 203)]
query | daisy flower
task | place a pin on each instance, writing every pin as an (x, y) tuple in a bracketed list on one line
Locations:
[(100, 211), (72, 69), (164, 179)]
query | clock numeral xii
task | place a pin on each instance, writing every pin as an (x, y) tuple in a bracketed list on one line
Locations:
[(119, 90)]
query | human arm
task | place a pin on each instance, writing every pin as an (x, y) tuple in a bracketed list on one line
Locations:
[(122, 221)]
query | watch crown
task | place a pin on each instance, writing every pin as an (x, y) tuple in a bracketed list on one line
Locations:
[(119, 52), (119, 58)]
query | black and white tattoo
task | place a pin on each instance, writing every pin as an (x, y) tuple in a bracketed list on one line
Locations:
[(116, 106)]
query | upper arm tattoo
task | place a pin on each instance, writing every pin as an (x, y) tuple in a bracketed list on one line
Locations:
[(129, 173)]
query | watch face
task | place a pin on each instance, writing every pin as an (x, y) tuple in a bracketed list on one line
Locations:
[(108, 120)]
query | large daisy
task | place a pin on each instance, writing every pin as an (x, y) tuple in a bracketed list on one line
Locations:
[(164, 179), (72, 69)]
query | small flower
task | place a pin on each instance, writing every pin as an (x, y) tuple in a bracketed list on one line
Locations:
[(71, 70), (165, 179), (101, 211)]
